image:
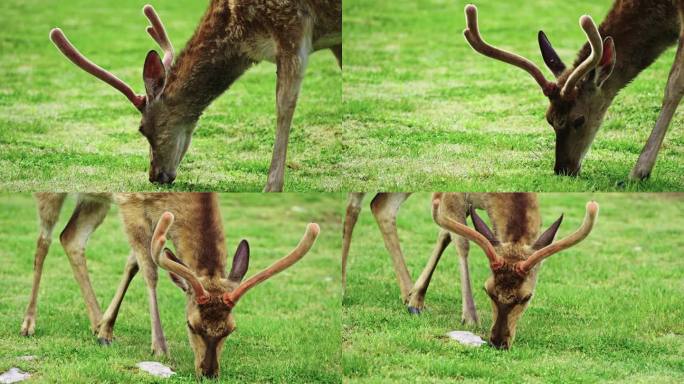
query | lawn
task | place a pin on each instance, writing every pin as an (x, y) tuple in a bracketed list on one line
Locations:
[(61, 129), (288, 328), (424, 112), (608, 310)]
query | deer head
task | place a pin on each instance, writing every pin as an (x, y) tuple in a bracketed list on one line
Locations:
[(577, 98), (514, 266), (211, 299), (167, 131)]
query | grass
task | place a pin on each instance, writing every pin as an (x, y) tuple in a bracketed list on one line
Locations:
[(288, 328), (423, 112), (61, 129), (608, 310)]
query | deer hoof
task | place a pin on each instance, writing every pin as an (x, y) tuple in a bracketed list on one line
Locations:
[(104, 341), (28, 328), (413, 310), (640, 174)]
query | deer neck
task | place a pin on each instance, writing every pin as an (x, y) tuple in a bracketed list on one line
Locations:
[(199, 239), (515, 217), (210, 62), (642, 31)]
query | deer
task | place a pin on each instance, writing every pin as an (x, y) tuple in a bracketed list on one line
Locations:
[(232, 36), (192, 222), (631, 37), (515, 249)]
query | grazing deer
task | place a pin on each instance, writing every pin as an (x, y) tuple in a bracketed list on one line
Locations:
[(631, 37), (199, 270), (515, 249), (232, 36)]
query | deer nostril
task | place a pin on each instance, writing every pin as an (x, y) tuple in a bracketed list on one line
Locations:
[(164, 178)]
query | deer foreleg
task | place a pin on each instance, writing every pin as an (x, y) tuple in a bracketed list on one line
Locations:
[(149, 272), (417, 297), (468, 310), (291, 68), (385, 207), (87, 216), (106, 327), (49, 206), (673, 96), (353, 209)]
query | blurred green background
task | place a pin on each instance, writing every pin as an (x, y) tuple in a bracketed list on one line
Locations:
[(62, 129), (288, 329)]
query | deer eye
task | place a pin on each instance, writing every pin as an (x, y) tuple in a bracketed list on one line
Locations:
[(578, 123)]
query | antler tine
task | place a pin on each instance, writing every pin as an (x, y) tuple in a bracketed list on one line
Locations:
[(591, 62), (158, 34), (64, 45), (525, 266), (305, 244), (162, 257), (472, 34), (495, 262)]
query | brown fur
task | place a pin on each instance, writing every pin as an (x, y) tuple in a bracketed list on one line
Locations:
[(516, 220), (198, 239), (641, 30), (231, 37)]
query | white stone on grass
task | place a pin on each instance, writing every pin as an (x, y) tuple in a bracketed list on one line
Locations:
[(466, 338), (14, 375), (155, 369)]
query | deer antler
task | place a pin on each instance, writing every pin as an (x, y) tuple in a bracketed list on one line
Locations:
[(158, 33), (525, 266), (495, 262), (163, 257), (472, 34), (591, 62), (64, 45), (307, 241)]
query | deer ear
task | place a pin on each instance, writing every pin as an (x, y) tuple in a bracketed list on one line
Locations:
[(481, 227), (154, 75), (240, 262), (179, 281), (551, 58), (605, 68), (547, 237)]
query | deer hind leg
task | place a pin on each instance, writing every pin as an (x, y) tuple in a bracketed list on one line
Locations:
[(49, 206), (337, 51), (291, 68), (673, 96), (468, 310), (353, 209), (417, 296), (385, 207), (105, 331), (87, 216)]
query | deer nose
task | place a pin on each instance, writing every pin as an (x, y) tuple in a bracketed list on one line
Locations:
[(163, 178)]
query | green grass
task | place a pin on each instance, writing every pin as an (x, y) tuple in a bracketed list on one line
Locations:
[(61, 129), (288, 328), (424, 112), (608, 310)]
